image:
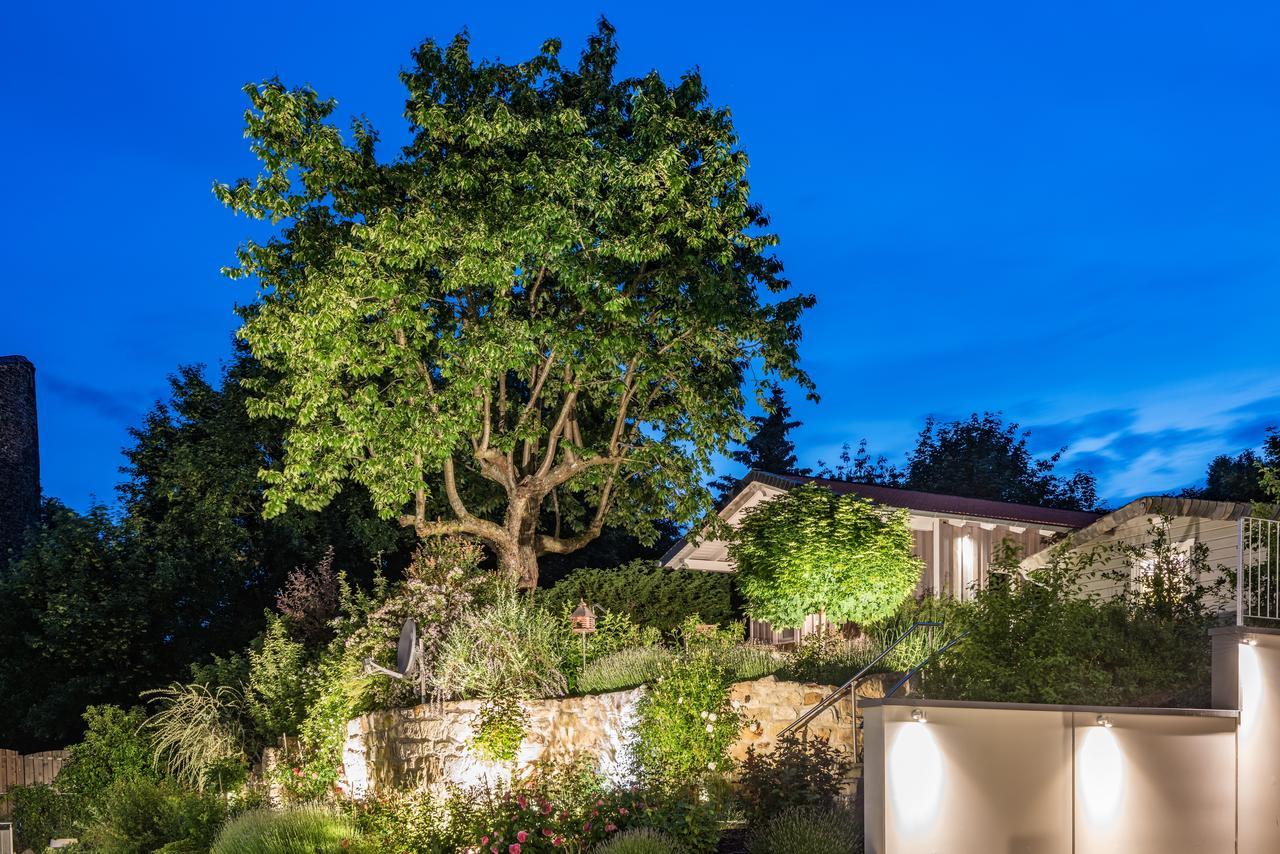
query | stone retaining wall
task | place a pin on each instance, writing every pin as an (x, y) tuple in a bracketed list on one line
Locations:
[(427, 746)]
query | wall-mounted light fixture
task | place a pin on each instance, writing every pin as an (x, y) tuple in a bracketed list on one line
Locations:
[(918, 716), (1250, 641), (1104, 721)]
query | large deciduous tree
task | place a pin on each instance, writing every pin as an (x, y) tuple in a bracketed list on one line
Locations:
[(545, 304), (985, 457), (812, 551)]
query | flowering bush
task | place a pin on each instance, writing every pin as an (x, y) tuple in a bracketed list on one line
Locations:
[(442, 583), (525, 820), (686, 723)]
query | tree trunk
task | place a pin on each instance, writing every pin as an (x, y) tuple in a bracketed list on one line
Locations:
[(520, 563), (519, 556)]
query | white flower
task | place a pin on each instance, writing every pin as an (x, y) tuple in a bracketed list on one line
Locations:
[(711, 766), (710, 728), (711, 717), (702, 714), (679, 701)]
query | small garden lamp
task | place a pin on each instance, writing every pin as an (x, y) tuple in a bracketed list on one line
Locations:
[(583, 621)]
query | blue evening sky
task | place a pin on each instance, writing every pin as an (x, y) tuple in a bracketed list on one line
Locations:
[(1067, 212)]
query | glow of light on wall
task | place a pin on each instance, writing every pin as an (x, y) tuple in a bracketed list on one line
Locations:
[(1100, 775), (915, 777), (1252, 688)]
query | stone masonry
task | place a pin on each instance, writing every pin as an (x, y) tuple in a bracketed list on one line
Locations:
[(426, 746)]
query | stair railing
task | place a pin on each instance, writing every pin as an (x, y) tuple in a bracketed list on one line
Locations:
[(852, 685), (930, 657)]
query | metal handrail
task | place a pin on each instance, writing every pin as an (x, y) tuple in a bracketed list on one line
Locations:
[(913, 671), (834, 697)]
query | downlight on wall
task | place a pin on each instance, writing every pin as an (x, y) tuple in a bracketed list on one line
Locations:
[(918, 716), (1104, 721)]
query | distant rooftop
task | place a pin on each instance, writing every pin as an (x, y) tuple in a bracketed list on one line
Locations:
[(14, 360), (935, 502)]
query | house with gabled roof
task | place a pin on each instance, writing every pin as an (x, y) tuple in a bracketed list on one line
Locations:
[(955, 536)]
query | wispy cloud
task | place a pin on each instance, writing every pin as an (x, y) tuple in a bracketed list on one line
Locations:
[(119, 406)]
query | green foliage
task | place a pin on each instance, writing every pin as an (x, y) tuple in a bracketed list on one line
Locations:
[(746, 662), (558, 257), (686, 725), (416, 821), (693, 816), (499, 726), (614, 632), (442, 582), (1046, 639), (511, 647), (810, 551), (79, 627), (795, 773), (649, 594), (198, 733), (141, 816), (39, 813), (103, 606), (114, 747), (339, 684), (640, 840), (280, 689), (809, 830), (295, 830), (557, 808), (624, 669)]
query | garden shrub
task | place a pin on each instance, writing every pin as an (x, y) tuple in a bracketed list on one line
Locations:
[(280, 687), (640, 840), (694, 816), (499, 729), (511, 647), (745, 662), (685, 722), (811, 551), (649, 594), (414, 821), (442, 582), (39, 813), (555, 807), (311, 598), (115, 746), (624, 669), (140, 816), (826, 657), (809, 830), (1044, 638), (295, 830), (339, 682), (796, 773)]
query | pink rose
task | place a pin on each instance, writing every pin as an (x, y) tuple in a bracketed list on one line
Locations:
[(522, 836), (622, 810), (513, 848), (610, 827)]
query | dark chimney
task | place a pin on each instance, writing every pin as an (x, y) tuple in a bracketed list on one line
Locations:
[(19, 454)]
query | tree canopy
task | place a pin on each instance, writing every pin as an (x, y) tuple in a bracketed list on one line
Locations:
[(811, 550), (102, 605), (545, 304), (979, 457)]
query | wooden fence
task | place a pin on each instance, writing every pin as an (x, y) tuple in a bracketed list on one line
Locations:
[(28, 770)]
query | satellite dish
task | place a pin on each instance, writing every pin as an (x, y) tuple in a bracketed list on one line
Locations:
[(406, 653), (407, 649)]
